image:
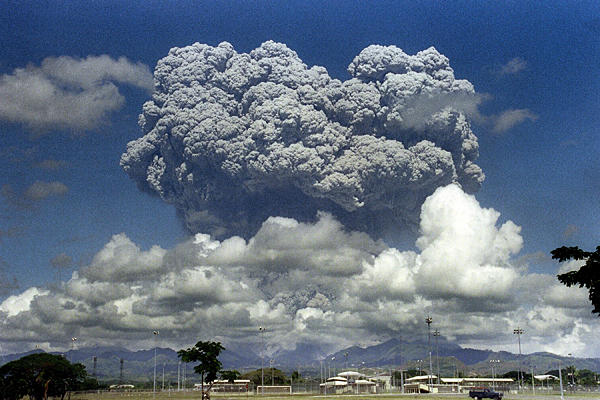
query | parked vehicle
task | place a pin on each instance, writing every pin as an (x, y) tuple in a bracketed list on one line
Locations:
[(485, 393)]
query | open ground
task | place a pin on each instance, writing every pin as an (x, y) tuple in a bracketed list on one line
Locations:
[(196, 395)]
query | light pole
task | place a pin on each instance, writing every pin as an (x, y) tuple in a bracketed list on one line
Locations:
[(121, 370), (402, 379), (271, 362), (333, 362), (178, 376), (562, 395), (519, 332), (532, 379), (73, 340), (155, 333), (436, 334), (492, 362), (321, 363), (429, 320), (571, 373), (261, 330)]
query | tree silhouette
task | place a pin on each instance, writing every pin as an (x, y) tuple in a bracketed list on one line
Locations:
[(588, 275), (38, 376), (230, 376), (206, 353)]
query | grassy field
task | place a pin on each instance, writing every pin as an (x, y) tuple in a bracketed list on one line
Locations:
[(196, 396)]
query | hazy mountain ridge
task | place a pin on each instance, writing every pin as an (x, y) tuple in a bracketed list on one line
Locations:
[(394, 353)]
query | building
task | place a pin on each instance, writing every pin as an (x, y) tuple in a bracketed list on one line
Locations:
[(348, 382), (420, 384), (221, 385)]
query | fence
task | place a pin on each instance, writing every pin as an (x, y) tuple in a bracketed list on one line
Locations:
[(309, 388)]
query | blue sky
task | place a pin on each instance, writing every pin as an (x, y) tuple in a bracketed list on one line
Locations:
[(541, 166)]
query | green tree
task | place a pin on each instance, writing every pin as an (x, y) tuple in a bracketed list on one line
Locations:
[(585, 377), (253, 376), (40, 375), (588, 275), (515, 375), (207, 355), (279, 377), (409, 373), (296, 377), (231, 375)]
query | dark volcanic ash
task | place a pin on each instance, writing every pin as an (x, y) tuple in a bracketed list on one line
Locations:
[(230, 139)]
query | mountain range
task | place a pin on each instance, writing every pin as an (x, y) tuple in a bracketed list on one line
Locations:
[(393, 354)]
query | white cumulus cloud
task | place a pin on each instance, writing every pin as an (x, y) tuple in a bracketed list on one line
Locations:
[(513, 66), (68, 93), (317, 283), (509, 118)]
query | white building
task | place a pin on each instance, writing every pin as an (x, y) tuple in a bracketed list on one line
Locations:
[(348, 382)]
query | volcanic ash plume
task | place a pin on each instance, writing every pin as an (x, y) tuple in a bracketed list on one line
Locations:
[(230, 139)]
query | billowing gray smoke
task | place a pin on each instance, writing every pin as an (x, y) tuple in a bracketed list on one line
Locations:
[(231, 138)]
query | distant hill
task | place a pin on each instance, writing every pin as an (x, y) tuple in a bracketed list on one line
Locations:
[(138, 366)]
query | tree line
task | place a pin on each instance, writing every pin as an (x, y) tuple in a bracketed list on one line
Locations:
[(42, 375)]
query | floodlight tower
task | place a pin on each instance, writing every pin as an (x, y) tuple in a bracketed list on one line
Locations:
[(436, 334), (321, 364), (562, 395), (121, 371), (262, 360), (429, 320), (155, 333), (73, 340), (519, 332), (532, 379), (492, 362)]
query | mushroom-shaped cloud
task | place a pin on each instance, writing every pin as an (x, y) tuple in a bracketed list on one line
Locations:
[(232, 138)]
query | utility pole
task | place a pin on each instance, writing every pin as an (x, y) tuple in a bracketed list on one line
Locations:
[(95, 360)]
